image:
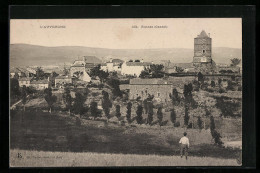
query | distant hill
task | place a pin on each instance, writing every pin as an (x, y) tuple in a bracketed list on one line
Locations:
[(28, 55)]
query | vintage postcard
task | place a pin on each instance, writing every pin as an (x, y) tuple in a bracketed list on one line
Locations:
[(126, 92)]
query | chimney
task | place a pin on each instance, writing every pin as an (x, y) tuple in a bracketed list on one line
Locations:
[(209, 34)]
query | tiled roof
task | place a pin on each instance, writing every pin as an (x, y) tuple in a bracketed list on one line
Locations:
[(182, 65), (139, 81), (90, 65), (14, 70), (138, 63), (117, 61), (18, 70), (78, 63), (63, 77), (203, 34), (25, 79), (40, 82)]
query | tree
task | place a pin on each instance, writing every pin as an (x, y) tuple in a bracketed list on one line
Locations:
[(97, 72), (199, 122), (50, 99), (188, 93), (86, 92), (66, 72), (16, 75), (106, 104), (14, 88), (128, 112), (160, 115), (200, 77), (139, 112), (144, 74), (24, 96), (115, 83), (156, 70), (145, 106), (179, 69), (118, 114), (215, 135), (175, 97), (39, 73), (94, 110), (150, 112), (230, 85), (30, 90), (173, 116), (219, 82), (67, 99), (186, 115), (235, 62), (54, 74), (78, 106), (212, 84), (103, 75)]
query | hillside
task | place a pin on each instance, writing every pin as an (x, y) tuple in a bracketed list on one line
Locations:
[(25, 54)]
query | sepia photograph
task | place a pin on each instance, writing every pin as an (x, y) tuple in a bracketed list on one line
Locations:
[(125, 92)]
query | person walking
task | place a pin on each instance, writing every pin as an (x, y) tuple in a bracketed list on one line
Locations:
[(185, 144)]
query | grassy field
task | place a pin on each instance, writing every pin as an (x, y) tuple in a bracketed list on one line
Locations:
[(57, 132), (89, 159)]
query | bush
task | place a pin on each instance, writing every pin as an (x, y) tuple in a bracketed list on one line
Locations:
[(221, 90), (199, 122), (150, 113), (118, 114), (173, 116), (139, 112), (186, 116), (227, 106), (215, 135), (128, 112), (94, 110), (212, 84), (210, 90), (177, 124), (159, 115)]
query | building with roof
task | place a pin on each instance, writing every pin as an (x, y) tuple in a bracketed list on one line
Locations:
[(173, 67), (25, 81), (40, 84), (77, 66), (22, 72), (202, 59), (143, 88), (112, 65), (134, 68), (60, 81)]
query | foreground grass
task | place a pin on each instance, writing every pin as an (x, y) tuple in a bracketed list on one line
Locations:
[(90, 159)]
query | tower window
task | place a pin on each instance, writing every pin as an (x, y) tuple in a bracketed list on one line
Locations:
[(203, 51)]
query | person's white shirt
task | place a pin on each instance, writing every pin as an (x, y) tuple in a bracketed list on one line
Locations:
[(184, 140)]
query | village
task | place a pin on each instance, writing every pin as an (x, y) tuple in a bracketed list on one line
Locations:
[(201, 95)]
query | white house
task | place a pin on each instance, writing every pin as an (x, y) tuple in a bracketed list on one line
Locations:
[(112, 65), (134, 68), (25, 81)]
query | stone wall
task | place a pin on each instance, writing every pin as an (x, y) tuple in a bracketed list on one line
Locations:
[(160, 92)]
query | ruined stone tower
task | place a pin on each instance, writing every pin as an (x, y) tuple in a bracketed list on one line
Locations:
[(202, 59)]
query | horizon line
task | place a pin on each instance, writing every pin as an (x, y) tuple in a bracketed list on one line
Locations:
[(114, 48)]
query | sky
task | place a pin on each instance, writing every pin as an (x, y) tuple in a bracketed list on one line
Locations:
[(121, 33)]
